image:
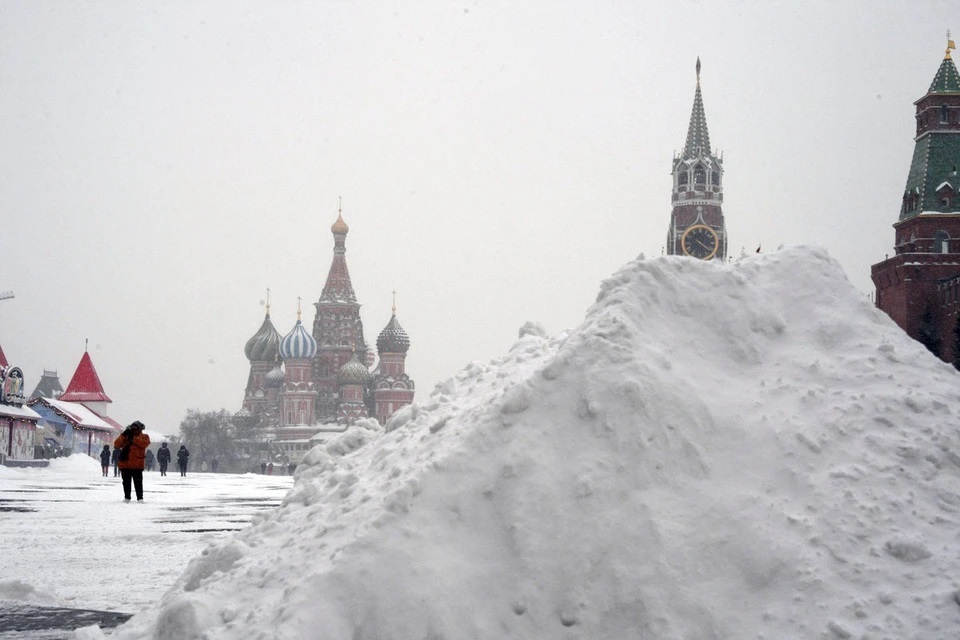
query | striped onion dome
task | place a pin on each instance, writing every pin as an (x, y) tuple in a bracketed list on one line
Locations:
[(298, 344), (353, 372), (393, 339), (265, 343), (274, 379)]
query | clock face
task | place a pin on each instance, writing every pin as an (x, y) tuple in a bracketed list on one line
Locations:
[(700, 241)]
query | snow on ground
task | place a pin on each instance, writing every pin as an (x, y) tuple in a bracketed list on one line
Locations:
[(68, 539), (742, 450)]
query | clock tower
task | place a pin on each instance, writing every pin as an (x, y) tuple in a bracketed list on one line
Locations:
[(696, 222)]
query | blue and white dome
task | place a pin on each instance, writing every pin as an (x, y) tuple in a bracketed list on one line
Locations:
[(298, 344)]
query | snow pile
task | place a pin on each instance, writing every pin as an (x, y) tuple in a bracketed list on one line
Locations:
[(719, 451), (20, 591)]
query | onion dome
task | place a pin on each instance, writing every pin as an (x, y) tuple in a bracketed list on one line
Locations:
[(393, 339), (274, 379), (298, 344), (339, 227), (265, 342), (353, 372)]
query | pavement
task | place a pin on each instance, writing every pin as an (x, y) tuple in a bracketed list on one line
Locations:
[(68, 542)]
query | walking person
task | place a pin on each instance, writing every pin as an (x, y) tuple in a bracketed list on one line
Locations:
[(163, 458), (149, 460), (114, 459), (105, 460), (133, 443), (263, 467), (182, 457)]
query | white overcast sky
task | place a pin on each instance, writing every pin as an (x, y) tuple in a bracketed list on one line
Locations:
[(163, 163)]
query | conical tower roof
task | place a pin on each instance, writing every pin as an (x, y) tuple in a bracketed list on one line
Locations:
[(393, 339), (698, 138), (85, 385), (48, 387), (338, 287), (947, 79)]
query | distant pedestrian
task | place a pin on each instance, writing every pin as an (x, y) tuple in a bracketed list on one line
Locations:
[(115, 458), (149, 460), (269, 468), (291, 468), (105, 460), (163, 458), (133, 443), (182, 457), (263, 467), (214, 464)]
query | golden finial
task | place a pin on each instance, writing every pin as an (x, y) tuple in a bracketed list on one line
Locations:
[(298, 308), (268, 300), (950, 46), (393, 309)]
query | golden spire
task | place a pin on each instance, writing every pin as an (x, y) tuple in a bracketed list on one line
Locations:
[(268, 300), (298, 308), (393, 309), (950, 46), (340, 227)]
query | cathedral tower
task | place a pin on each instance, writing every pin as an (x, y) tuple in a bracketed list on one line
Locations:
[(336, 327), (298, 395), (262, 350), (696, 223), (919, 286), (392, 387)]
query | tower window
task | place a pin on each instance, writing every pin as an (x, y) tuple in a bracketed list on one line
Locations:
[(715, 178), (699, 175), (944, 114), (941, 242), (682, 179)]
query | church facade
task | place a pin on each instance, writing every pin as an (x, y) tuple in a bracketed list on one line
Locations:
[(919, 286), (324, 378), (697, 227)]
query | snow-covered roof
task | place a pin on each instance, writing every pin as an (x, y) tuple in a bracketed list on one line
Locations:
[(77, 414), (23, 412)]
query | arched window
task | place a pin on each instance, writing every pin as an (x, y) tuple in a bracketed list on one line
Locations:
[(699, 175), (944, 114), (941, 242), (682, 178), (715, 178)]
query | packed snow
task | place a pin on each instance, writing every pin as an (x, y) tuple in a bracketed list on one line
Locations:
[(69, 540), (720, 450)]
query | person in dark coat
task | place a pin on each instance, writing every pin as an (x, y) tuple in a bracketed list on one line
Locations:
[(163, 458), (115, 458), (182, 457), (133, 443), (263, 466), (149, 460), (105, 460)]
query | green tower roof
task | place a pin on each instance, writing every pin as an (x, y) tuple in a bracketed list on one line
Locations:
[(947, 79), (698, 138)]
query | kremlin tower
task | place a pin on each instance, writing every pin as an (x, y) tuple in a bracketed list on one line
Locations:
[(306, 382), (696, 223), (919, 287)]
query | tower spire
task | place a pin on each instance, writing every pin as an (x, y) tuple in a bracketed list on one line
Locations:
[(698, 138), (393, 309)]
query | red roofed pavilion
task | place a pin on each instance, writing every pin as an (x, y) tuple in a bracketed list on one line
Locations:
[(85, 385)]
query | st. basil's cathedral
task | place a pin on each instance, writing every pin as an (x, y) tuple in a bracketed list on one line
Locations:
[(306, 382)]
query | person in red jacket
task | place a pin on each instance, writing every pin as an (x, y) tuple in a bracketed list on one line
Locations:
[(133, 443)]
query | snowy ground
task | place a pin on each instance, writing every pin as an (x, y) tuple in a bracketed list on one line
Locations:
[(720, 451), (68, 539)]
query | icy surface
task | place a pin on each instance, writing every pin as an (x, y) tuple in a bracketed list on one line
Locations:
[(719, 451)]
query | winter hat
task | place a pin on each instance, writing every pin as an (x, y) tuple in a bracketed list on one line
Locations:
[(137, 425)]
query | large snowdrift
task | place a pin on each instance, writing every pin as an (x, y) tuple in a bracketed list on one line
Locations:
[(719, 451)]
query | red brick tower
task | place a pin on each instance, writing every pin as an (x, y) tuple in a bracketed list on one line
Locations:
[(392, 387), (336, 326), (919, 287), (696, 223)]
